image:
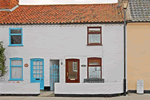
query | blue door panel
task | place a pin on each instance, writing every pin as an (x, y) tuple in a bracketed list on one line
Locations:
[(37, 72)]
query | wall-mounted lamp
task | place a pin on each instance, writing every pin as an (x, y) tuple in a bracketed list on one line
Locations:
[(61, 62)]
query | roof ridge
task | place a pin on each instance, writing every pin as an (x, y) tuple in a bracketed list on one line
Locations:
[(71, 4)]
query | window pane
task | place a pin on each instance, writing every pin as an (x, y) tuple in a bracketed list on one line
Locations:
[(16, 62), (71, 73), (38, 62), (94, 38), (38, 75), (41, 63), (94, 72), (40, 70), (41, 75), (37, 70), (16, 72), (15, 39), (75, 66), (34, 67), (94, 29), (15, 31), (34, 75), (34, 62), (41, 67), (34, 71), (94, 61)]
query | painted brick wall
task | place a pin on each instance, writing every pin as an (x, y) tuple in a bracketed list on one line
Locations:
[(67, 41)]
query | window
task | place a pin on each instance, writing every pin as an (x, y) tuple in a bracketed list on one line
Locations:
[(15, 37), (94, 36), (16, 69), (75, 66), (94, 68)]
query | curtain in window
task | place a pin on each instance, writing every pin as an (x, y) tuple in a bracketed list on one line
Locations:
[(94, 72), (16, 62), (94, 38), (15, 39), (16, 72)]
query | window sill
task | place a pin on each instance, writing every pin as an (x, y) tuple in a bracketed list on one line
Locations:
[(15, 45), (15, 80), (94, 45)]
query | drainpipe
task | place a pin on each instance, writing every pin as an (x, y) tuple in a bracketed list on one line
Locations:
[(124, 52)]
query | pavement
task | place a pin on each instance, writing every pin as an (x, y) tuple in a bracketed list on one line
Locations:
[(131, 96)]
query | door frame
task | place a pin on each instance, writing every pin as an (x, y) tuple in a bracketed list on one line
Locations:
[(73, 81), (31, 71)]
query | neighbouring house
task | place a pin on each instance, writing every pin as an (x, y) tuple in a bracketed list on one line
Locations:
[(138, 38), (71, 45)]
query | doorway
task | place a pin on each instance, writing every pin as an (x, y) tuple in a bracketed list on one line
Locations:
[(72, 70), (54, 73), (37, 72)]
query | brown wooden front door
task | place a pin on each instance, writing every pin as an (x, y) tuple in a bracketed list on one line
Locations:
[(72, 71)]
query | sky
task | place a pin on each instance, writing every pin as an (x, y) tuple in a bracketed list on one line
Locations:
[(39, 2)]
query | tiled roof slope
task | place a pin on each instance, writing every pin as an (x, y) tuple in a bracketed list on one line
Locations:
[(3, 14), (140, 10), (45, 14), (8, 4)]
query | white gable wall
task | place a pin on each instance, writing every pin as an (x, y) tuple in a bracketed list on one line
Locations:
[(67, 41)]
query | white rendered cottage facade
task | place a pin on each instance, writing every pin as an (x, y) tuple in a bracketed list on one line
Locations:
[(75, 51)]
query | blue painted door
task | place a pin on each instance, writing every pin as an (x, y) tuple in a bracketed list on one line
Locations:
[(37, 72), (54, 75)]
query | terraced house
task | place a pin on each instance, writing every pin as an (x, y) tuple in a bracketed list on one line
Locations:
[(138, 38), (62, 48)]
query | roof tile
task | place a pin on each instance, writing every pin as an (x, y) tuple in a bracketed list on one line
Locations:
[(140, 10)]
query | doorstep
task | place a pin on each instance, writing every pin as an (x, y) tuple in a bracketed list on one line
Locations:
[(46, 94)]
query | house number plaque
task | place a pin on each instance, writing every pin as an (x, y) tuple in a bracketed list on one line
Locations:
[(26, 65), (83, 65)]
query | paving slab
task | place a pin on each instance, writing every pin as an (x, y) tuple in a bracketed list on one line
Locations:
[(11, 98), (119, 98), (63, 98), (46, 94), (139, 96)]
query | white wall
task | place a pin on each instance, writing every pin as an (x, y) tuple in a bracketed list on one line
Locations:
[(67, 41), (89, 88), (19, 88)]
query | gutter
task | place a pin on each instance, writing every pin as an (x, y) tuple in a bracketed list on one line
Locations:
[(124, 83)]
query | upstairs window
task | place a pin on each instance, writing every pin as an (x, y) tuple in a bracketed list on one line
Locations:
[(15, 37), (94, 36)]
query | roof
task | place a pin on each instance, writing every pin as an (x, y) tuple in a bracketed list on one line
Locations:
[(3, 14), (47, 14), (140, 10), (8, 4)]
